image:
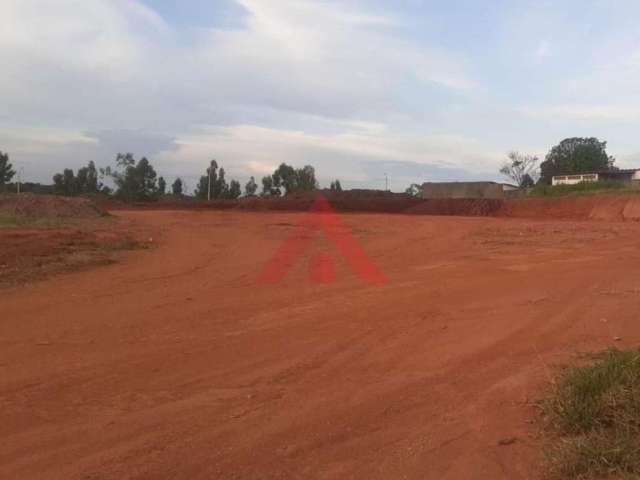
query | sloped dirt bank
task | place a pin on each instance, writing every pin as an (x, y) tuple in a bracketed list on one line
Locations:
[(48, 206), (611, 207), (588, 207)]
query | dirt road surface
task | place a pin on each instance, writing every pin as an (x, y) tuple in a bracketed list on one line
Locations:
[(176, 363)]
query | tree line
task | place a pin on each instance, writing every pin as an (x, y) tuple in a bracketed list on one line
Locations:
[(137, 180), (134, 180)]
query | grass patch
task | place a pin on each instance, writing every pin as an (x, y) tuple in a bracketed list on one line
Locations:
[(577, 189), (595, 407), (14, 221), (21, 221)]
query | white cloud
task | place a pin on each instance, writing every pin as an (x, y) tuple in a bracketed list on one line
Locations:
[(543, 50), (250, 148), (299, 77), (596, 113)]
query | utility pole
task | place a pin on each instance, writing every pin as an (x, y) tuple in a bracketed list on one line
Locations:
[(209, 187), (386, 182), (20, 172)]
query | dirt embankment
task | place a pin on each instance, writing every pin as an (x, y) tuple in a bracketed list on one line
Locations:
[(48, 206), (41, 235), (613, 207), (589, 207), (372, 201)]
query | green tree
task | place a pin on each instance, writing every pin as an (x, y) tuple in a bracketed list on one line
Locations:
[(207, 184), (235, 190), (70, 184), (527, 181), (292, 180), (202, 188), (6, 170), (177, 187), (65, 183), (87, 179), (251, 187), (335, 186), (134, 181), (576, 155), (220, 186), (92, 185), (268, 187), (58, 184), (306, 179), (162, 186), (285, 177), (415, 190)]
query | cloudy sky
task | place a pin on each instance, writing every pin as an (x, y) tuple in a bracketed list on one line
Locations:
[(416, 89)]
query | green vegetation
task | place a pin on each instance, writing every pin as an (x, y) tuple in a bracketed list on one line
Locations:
[(286, 180), (596, 409), (251, 187), (69, 184), (12, 221), (415, 190), (6, 170), (20, 221), (162, 186), (213, 185), (542, 190), (135, 181), (177, 187), (576, 155), (335, 186)]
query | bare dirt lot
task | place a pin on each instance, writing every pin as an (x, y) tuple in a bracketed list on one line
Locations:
[(175, 363), (40, 249)]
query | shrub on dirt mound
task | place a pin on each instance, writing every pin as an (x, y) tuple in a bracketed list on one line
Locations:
[(48, 206)]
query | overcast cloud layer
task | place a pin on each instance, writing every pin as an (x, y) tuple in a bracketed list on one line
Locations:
[(418, 90)]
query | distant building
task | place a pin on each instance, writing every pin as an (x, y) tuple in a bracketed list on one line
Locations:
[(508, 187), (466, 189), (625, 176)]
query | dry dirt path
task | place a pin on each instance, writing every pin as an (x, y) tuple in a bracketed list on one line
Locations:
[(176, 364)]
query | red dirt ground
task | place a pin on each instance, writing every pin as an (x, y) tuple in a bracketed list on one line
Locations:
[(48, 206), (39, 251), (176, 364)]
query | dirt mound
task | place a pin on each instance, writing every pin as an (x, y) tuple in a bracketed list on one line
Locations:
[(373, 201), (589, 207), (481, 207), (48, 206), (611, 207)]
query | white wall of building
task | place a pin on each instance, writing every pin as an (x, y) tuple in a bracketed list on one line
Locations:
[(574, 179)]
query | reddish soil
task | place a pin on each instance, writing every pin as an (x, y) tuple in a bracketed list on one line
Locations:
[(612, 206), (38, 251), (175, 363), (48, 206)]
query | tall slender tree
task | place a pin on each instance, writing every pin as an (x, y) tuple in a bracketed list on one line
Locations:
[(177, 187), (6, 170), (162, 186), (251, 187)]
